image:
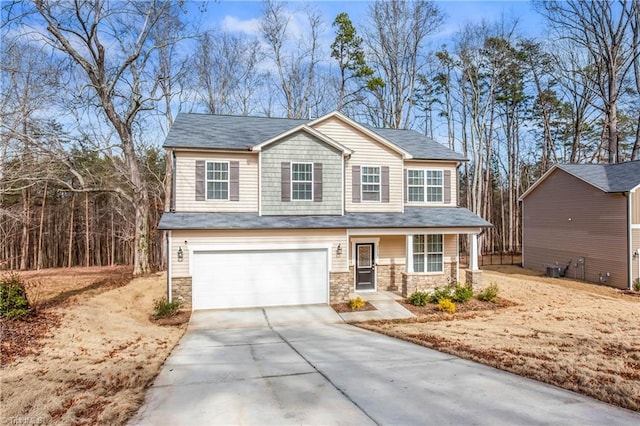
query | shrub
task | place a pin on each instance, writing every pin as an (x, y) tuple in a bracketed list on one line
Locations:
[(440, 293), (462, 293), (489, 294), (636, 284), (13, 298), (419, 298), (356, 303), (162, 308), (446, 305)]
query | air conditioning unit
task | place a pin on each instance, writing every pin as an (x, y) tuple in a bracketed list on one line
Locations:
[(554, 271)]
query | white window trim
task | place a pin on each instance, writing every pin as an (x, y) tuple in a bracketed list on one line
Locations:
[(207, 180), (379, 200), (301, 181), (425, 185), (424, 191), (425, 254)]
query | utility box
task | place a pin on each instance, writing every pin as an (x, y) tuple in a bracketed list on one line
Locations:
[(554, 271)]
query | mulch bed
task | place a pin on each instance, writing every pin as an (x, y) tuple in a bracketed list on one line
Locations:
[(181, 317), (24, 336), (344, 307), (473, 305)]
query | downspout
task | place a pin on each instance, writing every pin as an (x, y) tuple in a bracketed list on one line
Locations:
[(172, 207), (629, 242), (169, 266)]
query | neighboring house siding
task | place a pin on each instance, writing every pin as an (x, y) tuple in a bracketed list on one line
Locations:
[(635, 207), (366, 152), (597, 230), (246, 238), (445, 167), (186, 183), (301, 148)]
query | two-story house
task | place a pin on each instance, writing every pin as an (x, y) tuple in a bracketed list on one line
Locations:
[(270, 211)]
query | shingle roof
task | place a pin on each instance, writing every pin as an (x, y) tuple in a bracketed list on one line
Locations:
[(618, 177), (241, 133), (413, 217)]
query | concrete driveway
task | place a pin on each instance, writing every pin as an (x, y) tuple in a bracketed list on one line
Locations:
[(303, 365)]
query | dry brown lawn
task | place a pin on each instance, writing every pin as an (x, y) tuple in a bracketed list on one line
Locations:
[(582, 337), (96, 364)]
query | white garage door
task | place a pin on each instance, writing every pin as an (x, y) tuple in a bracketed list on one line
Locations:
[(237, 279)]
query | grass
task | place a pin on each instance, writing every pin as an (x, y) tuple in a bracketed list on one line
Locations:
[(574, 335), (95, 366)]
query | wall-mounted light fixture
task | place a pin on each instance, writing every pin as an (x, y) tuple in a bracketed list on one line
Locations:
[(180, 254), (339, 250)]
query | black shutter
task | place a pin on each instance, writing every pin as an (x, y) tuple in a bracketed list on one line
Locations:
[(285, 181), (317, 182), (384, 184), (355, 184), (446, 197), (234, 181), (200, 182)]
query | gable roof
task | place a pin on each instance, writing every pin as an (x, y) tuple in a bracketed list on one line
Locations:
[(619, 177), (229, 132), (306, 129)]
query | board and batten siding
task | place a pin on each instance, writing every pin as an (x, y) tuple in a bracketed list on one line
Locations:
[(186, 183), (245, 239), (565, 218), (450, 168), (366, 152), (301, 147)]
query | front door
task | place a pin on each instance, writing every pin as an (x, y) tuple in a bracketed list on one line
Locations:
[(365, 267)]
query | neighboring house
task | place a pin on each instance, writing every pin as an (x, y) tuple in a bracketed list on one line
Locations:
[(270, 211), (585, 217)]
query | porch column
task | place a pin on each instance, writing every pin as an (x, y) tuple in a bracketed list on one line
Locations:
[(409, 259), (473, 253)]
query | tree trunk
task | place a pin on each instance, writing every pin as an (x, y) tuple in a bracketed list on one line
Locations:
[(71, 218), (42, 210), (26, 223)]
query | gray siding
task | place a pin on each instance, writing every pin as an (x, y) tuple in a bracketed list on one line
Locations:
[(565, 218), (301, 147)]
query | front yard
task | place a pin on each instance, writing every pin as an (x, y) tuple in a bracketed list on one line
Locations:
[(578, 336), (99, 353)]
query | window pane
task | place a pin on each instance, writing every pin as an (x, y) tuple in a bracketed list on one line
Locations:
[(418, 262), (301, 190), (370, 180), (416, 193), (415, 177), (220, 190), (209, 171), (434, 177), (301, 181), (434, 263)]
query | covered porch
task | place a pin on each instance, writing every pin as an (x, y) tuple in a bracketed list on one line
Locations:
[(403, 261)]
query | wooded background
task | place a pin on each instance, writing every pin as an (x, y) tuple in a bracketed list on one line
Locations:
[(90, 88)]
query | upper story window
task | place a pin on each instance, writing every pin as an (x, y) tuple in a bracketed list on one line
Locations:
[(425, 185), (217, 180), (302, 181), (428, 253), (370, 178)]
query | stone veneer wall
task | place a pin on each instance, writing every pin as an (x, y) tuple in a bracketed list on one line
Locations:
[(340, 285), (181, 291), (418, 281), (389, 277), (473, 277)]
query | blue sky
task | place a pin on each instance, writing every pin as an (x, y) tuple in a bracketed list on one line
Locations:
[(242, 15)]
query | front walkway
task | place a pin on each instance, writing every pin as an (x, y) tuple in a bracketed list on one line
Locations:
[(303, 365), (385, 304)]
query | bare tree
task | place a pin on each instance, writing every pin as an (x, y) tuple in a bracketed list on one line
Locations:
[(295, 62), (603, 28), (396, 36), (110, 44)]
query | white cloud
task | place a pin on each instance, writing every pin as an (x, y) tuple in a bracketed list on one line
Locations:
[(249, 26)]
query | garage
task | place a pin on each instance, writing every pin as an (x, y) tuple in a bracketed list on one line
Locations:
[(250, 278)]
